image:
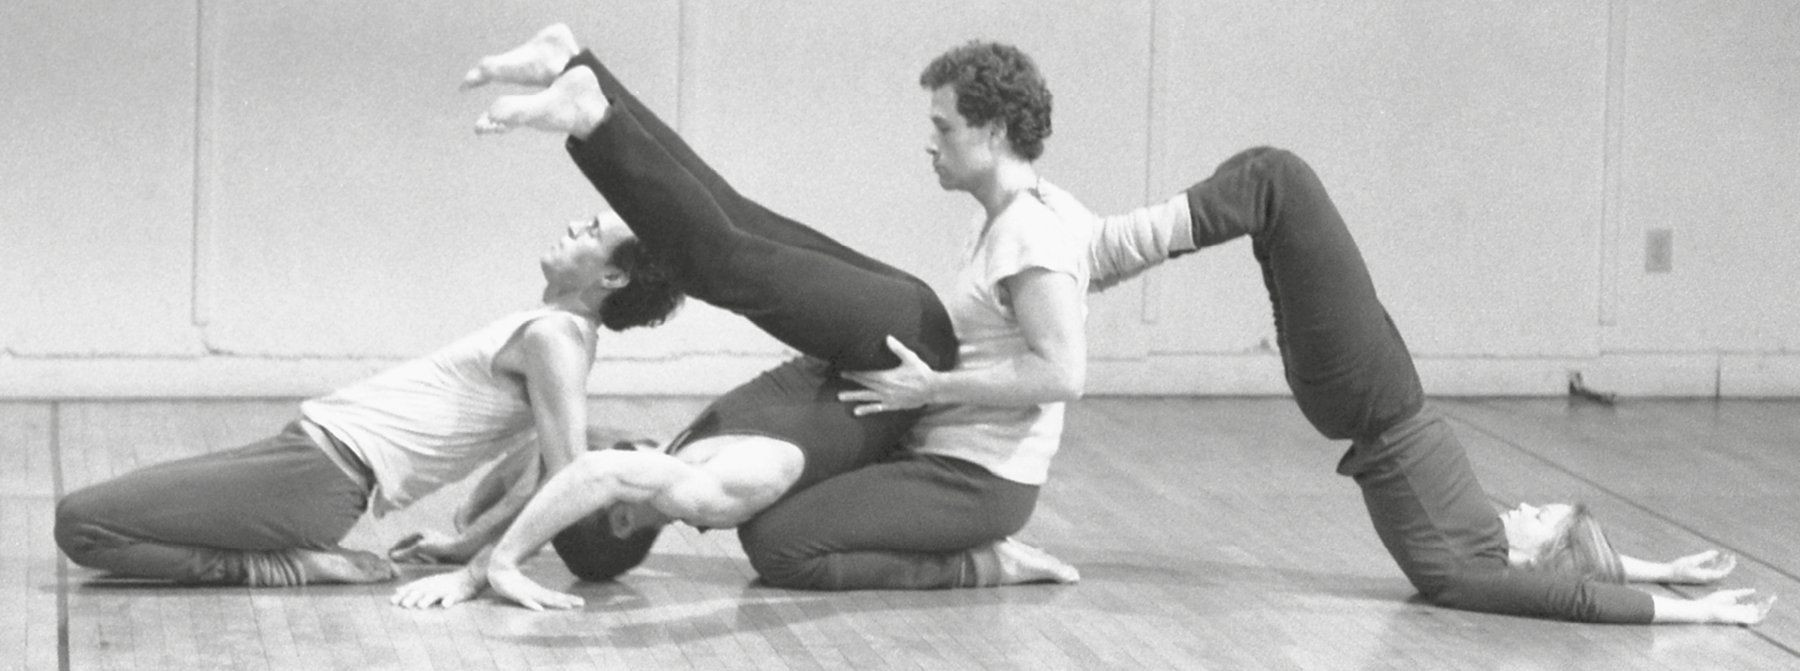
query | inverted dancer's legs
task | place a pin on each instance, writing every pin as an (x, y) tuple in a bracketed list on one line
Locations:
[(746, 214), (816, 303), (1349, 369), (554, 50), (818, 298)]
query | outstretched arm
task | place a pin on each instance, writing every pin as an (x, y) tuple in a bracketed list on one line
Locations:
[(1563, 596), (552, 356), (1123, 246), (732, 485), (1694, 569), (1726, 606)]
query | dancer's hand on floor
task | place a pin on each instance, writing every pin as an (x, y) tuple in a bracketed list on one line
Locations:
[(441, 590), (429, 547), (902, 387), (512, 584), (1702, 567), (1738, 606)]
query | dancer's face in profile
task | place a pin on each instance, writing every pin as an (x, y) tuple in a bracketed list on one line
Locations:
[(583, 255), (1529, 528), (961, 154)]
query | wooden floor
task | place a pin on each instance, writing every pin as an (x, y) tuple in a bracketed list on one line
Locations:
[(1211, 534)]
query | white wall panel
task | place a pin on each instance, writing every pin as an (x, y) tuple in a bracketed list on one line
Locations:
[(1711, 140), (96, 179)]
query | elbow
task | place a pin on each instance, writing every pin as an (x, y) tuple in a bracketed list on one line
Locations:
[(591, 470), (1071, 385)]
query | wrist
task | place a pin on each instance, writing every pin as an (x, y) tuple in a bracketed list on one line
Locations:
[(497, 563)]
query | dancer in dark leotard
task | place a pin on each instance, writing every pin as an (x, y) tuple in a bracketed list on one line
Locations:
[(772, 437), (1353, 378)]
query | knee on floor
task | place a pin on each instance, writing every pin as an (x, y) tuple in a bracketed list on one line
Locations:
[(78, 530)]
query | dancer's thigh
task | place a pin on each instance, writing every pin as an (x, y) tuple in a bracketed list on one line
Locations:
[(278, 493)]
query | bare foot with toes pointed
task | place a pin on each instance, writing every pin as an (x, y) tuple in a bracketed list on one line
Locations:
[(537, 62), (573, 105)]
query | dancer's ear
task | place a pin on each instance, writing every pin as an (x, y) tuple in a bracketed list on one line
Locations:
[(614, 279), (623, 520)]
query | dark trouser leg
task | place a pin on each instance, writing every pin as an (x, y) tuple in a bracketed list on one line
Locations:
[(213, 518), (820, 303), (1346, 363), (1350, 371), (745, 213), (796, 402), (906, 524)]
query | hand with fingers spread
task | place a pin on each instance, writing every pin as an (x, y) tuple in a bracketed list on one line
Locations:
[(439, 591), (511, 583), (903, 387)]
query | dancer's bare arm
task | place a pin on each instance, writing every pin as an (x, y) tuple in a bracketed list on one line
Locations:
[(728, 488), (1730, 606), (1054, 367), (553, 356), (1694, 569), (491, 506)]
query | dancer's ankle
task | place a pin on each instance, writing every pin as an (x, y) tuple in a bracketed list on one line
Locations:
[(342, 566), (1010, 562)]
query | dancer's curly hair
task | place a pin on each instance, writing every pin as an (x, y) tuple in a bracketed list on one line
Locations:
[(996, 82), (651, 295)]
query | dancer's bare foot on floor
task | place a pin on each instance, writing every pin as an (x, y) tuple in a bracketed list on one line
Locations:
[(537, 62), (1020, 563), (344, 566), (572, 105)]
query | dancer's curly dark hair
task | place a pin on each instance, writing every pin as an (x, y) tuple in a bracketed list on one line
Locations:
[(996, 82), (651, 295)]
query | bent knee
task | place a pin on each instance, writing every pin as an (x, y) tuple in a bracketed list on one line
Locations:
[(776, 563), (1275, 162), (80, 530)]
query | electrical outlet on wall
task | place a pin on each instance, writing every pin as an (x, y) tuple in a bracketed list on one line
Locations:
[(1659, 250)]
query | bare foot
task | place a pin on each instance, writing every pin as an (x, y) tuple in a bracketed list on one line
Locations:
[(573, 105), (1020, 563), (537, 62), (343, 566)]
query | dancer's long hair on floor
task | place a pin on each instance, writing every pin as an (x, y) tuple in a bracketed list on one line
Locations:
[(1580, 547)]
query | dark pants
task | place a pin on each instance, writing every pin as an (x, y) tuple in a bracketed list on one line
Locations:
[(211, 517), (829, 302), (906, 523), (1350, 372), (801, 287), (1346, 363)]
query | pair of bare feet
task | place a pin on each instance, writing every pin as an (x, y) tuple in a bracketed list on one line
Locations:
[(569, 103), (1010, 562), (338, 565)]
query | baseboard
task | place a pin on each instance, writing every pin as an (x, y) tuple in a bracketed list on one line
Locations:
[(1642, 375)]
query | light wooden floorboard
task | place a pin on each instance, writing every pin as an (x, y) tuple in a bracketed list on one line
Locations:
[(1211, 533)]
